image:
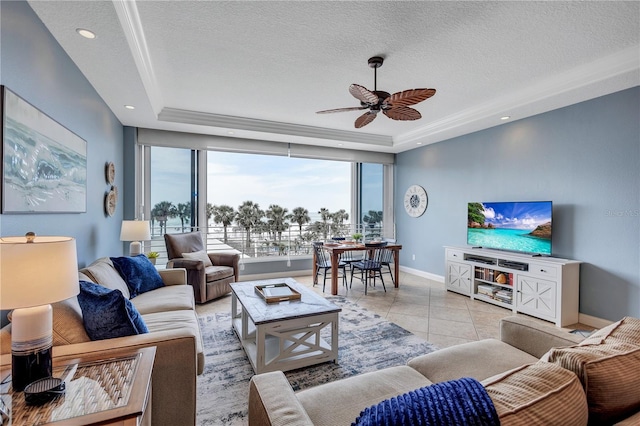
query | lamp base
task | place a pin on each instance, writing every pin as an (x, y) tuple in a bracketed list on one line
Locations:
[(135, 248), (26, 369), (31, 345)]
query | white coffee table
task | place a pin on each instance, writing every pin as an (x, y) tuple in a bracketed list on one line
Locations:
[(286, 335)]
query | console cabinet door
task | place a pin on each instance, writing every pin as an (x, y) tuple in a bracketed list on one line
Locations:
[(536, 297), (459, 278)]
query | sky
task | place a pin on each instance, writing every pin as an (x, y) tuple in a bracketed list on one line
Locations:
[(264, 179), (524, 215)]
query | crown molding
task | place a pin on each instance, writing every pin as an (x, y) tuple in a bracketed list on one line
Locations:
[(275, 127), (625, 63), (127, 11)]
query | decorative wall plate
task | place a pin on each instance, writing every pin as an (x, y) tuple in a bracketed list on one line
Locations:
[(110, 202), (110, 172), (415, 201)]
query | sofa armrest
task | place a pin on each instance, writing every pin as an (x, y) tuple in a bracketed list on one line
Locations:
[(533, 337), (174, 371), (273, 402), (174, 276), (226, 259)]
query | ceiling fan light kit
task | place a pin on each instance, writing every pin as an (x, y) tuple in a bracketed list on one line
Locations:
[(395, 106)]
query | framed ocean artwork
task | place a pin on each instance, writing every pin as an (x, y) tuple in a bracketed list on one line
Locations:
[(44, 164)]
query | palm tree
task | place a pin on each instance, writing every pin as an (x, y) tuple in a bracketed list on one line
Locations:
[(222, 214), (325, 215), (338, 219), (182, 211), (372, 218), (277, 219), (249, 215), (161, 212), (300, 215)]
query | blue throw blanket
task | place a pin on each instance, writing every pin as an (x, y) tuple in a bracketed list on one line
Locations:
[(462, 402)]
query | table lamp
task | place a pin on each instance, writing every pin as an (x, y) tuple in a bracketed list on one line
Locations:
[(135, 231), (34, 272)]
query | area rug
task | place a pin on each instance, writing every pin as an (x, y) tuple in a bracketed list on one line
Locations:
[(367, 342)]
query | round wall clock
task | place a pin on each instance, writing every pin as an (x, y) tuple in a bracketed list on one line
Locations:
[(415, 201)]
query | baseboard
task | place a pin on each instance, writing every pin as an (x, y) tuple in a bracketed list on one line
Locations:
[(594, 322), (423, 274)]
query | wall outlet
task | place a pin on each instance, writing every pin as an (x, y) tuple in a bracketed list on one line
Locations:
[(413, 257)]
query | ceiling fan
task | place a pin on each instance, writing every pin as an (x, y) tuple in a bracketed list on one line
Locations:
[(394, 106)]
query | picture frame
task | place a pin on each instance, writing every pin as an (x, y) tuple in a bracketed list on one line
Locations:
[(44, 164)]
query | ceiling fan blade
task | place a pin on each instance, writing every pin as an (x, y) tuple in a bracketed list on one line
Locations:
[(328, 111), (363, 94), (365, 119), (409, 97), (402, 113)]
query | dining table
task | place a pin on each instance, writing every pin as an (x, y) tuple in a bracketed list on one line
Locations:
[(336, 249)]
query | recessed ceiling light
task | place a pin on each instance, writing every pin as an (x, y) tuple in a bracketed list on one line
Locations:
[(418, 143), (129, 107), (506, 117), (231, 132), (340, 144), (86, 33)]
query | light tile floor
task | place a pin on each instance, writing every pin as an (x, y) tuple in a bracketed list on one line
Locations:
[(419, 305)]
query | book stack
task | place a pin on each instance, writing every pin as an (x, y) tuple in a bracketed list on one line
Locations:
[(504, 295), (487, 290)]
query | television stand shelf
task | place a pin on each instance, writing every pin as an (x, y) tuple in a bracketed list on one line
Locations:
[(543, 287)]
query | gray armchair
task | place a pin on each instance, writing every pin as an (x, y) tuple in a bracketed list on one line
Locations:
[(208, 282)]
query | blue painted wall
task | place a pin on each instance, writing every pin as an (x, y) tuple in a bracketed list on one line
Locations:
[(34, 66), (585, 158)]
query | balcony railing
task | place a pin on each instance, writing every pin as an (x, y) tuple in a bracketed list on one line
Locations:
[(292, 241)]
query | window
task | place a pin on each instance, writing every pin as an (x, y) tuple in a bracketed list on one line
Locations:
[(270, 200), (265, 205)]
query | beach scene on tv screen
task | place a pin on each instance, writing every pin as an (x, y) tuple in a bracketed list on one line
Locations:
[(521, 226)]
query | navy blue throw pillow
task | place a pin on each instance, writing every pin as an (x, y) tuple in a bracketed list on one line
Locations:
[(453, 403), (139, 274), (107, 313)]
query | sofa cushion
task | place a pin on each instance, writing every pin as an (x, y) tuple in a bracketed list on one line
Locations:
[(607, 364), (139, 273), (451, 403), (453, 362), (102, 271), (68, 327), (215, 273), (201, 255), (107, 313), (169, 298), (538, 394), (185, 321), (340, 402)]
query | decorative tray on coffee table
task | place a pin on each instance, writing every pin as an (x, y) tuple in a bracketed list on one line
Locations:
[(279, 292)]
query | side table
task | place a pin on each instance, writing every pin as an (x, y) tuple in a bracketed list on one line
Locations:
[(106, 388)]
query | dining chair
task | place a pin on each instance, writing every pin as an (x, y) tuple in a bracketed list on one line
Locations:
[(370, 267), (351, 256), (387, 260), (323, 261)]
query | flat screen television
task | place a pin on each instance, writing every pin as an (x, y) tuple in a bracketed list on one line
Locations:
[(514, 226)]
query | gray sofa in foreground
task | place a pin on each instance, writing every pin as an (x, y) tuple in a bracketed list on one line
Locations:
[(169, 313), (525, 389)]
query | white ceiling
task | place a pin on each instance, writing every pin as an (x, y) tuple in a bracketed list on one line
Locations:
[(262, 69)]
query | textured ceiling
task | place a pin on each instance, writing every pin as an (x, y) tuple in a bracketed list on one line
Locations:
[(262, 69)]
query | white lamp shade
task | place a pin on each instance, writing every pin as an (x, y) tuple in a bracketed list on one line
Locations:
[(37, 273), (135, 230)]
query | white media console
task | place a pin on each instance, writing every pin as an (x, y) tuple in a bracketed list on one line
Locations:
[(543, 287)]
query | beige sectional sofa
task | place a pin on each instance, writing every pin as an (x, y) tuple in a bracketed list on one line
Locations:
[(169, 313), (525, 389)]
